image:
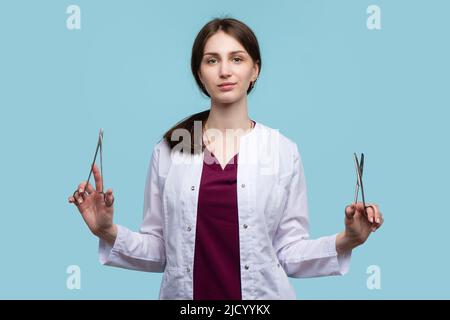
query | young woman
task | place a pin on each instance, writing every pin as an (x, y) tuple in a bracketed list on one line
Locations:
[(225, 205)]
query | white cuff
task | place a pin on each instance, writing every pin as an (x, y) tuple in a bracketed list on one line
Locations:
[(343, 259), (105, 249)]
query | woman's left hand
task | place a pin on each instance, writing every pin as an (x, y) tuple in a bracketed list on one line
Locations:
[(358, 225)]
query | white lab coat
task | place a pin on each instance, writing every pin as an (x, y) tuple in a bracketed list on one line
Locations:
[(273, 221)]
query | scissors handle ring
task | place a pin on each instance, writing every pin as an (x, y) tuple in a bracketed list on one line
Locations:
[(368, 206), (76, 193), (104, 199)]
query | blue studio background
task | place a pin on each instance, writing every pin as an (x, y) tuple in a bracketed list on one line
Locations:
[(328, 82)]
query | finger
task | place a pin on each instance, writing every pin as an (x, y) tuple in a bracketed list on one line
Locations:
[(378, 225), (81, 186), (78, 197), (350, 211), (90, 188), (370, 214), (72, 200), (109, 197), (360, 207), (376, 212), (374, 227), (78, 200), (378, 216), (81, 189), (98, 178)]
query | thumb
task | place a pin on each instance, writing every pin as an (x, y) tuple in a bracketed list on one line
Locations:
[(350, 211)]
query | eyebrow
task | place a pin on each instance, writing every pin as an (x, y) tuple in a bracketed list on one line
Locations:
[(216, 54)]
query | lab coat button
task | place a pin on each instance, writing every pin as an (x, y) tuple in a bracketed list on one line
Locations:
[(246, 267), (188, 269), (243, 185), (278, 265), (192, 188), (188, 229), (245, 226)]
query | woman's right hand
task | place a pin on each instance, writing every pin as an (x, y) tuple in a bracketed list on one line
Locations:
[(95, 207)]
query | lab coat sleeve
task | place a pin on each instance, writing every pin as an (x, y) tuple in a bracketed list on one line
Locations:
[(300, 256), (143, 250)]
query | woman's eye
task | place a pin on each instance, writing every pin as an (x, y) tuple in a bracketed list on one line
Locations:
[(212, 60)]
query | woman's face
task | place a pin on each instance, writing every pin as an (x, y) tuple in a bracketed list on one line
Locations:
[(226, 61)]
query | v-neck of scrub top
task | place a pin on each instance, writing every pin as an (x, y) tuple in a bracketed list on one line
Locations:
[(217, 264), (217, 257), (215, 163)]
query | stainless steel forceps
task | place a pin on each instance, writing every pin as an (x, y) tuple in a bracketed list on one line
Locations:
[(359, 184), (99, 147)]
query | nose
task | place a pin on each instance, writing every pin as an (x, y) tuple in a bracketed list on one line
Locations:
[(224, 70)]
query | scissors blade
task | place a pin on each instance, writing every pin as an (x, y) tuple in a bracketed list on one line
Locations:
[(357, 176), (361, 164), (99, 146), (359, 170), (361, 183), (356, 192), (100, 137)]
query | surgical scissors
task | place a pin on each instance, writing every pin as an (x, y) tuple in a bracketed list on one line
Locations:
[(359, 184), (99, 147)]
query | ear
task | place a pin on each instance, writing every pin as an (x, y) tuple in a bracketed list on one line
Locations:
[(255, 71)]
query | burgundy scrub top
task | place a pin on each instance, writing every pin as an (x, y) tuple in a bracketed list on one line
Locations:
[(216, 258)]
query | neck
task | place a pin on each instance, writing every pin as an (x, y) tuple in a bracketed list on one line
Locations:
[(224, 116)]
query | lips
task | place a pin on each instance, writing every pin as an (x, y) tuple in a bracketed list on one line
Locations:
[(227, 86)]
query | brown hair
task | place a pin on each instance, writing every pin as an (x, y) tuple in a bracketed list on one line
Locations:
[(245, 36)]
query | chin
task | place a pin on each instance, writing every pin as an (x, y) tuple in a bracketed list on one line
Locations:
[(227, 97)]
